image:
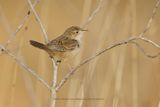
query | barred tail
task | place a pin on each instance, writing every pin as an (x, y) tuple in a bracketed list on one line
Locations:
[(38, 45)]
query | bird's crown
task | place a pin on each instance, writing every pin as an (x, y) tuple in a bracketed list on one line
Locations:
[(73, 31)]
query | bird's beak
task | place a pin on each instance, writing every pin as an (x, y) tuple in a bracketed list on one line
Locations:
[(84, 30)]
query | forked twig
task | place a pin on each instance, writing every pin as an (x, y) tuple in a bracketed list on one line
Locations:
[(24, 66), (93, 14), (126, 41), (39, 21), (54, 83), (129, 40), (19, 27), (55, 88), (150, 19), (143, 51), (90, 18), (55, 67)]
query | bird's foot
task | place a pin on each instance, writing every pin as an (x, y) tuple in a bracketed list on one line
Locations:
[(58, 62)]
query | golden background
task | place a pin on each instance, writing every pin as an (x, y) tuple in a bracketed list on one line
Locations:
[(123, 76)]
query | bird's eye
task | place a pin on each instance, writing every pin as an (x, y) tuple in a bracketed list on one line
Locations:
[(77, 32)]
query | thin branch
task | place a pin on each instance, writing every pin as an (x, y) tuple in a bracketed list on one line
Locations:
[(16, 58), (54, 83), (24, 66), (129, 40), (143, 51), (19, 27), (55, 66), (150, 41), (93, 14), (151, 18), (126, 41), (39, 21)]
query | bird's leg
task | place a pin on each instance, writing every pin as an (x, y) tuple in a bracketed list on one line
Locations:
[(58, 62), (51, 57), (2, 50)]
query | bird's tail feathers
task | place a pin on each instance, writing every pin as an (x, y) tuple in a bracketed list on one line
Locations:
[(38, 44)]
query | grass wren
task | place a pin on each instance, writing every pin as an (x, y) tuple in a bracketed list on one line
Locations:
[(62, 46)]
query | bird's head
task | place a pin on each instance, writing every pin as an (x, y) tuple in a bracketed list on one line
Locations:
[(73, 31)]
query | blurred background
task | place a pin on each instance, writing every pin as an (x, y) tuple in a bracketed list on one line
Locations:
[(121, 77)]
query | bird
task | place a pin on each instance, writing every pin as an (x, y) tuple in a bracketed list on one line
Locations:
[(62, 46)]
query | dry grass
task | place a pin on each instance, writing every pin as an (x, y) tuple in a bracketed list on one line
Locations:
[(125, 76)]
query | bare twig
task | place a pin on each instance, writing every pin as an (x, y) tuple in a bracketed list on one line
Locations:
[(24, 66), (55, 66), (93, 14), (54, 87), (129, 40), (150, 41), (54, 83), (19, 27), (126, 41), (39, 21), (143, 51), (151, 19)]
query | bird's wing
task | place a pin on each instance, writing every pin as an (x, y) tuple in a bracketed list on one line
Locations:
[(70, 44), (63, 44)]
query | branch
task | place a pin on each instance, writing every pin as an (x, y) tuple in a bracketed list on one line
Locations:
[(93, 14), (150, 19), (24, 66), (39, 21), (55, 67), (54, 83), (19, 27), (149, 41), (129, 40), (90, 18), (123, 42), (143, 51)]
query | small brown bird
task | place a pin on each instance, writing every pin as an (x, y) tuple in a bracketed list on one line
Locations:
[(63, 45)]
